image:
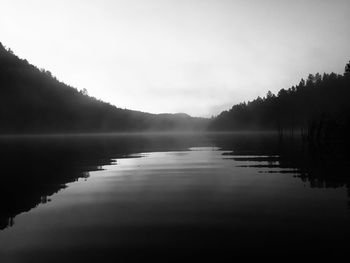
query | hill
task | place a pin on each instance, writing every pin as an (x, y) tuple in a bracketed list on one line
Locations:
[(34, 101), (318, 108)]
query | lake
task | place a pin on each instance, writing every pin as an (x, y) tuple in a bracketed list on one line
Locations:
[(170, 197)]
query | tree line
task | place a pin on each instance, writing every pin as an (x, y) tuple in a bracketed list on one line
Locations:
[(317, 107), (32, 100)]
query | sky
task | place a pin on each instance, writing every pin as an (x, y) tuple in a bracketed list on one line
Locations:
[(193, 56)]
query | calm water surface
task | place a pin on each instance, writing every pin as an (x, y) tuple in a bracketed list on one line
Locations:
[(167, 198)]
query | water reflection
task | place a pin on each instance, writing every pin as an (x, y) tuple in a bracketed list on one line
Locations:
[(34, 168), (170, 197), (320, 165)]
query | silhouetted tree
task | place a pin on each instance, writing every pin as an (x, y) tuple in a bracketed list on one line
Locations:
[(84, 92), (347, 69)]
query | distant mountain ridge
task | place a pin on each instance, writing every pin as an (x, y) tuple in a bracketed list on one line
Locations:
[(34, 101)]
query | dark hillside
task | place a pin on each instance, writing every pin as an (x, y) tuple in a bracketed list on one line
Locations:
[(34, 101), (319, 108)]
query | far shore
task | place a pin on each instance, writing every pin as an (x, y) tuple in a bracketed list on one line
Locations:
[(134, 133)]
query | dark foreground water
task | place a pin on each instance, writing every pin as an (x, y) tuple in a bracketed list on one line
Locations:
[(170, 198)]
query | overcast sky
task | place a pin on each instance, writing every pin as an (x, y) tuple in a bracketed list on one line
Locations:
[(193, 56)]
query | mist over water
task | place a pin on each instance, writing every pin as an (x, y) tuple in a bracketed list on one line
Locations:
[(97, 197)]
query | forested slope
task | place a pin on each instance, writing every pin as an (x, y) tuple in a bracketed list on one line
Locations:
[(34, 101), (318, 107)]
